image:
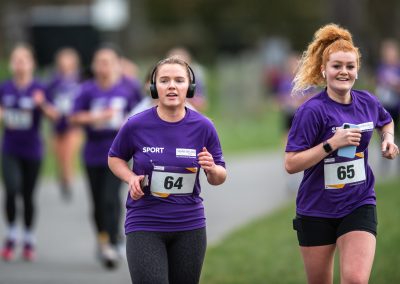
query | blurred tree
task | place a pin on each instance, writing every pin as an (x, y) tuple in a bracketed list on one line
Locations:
[(210, 27)]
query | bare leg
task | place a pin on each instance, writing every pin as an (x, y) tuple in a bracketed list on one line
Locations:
[(318, 263), (66, 145), (357, 251)]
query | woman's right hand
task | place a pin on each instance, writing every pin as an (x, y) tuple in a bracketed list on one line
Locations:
[(345, 137), (105, 115), (135, 190)]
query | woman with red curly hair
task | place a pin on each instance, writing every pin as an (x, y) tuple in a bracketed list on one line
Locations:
[(328, 140)]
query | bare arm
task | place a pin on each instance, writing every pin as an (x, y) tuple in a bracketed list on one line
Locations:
[(216, 174), (49, 110), (121, 169), (388, 147), (299, 161), (87, 117)]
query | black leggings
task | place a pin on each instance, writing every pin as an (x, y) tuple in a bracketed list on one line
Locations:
[(20, 176), (106, 201), (166, 257)]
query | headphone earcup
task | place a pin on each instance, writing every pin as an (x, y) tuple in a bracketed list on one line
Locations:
[(153, 91), (191, 90)]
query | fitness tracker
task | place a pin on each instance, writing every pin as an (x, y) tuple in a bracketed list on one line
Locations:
[(327, 147)]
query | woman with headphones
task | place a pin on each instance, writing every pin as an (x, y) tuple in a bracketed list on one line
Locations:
[(169, 144)]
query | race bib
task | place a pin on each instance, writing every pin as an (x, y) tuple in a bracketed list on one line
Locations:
[(340, 174), (172, 180), (18, 119), (64, 103), (117, 104)]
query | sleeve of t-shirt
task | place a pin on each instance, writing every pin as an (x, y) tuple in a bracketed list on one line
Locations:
[(214, 146), (39, 86), (137, 94), (123, 146), (1, 93), (81, 101), (50, 88), (306, 127)]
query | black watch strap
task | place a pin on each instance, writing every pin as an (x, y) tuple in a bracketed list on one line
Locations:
[(327, 147)]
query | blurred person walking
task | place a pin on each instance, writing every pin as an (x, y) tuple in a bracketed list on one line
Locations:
[(169, 144), (101, 108), (328, 140), (388, 87), (388, 79), (62, 91), (288, 105), (22, 103)]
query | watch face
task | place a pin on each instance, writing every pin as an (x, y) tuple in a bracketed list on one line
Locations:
[(327, 147)]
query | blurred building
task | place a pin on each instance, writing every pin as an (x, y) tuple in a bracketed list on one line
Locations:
[(50, 25)]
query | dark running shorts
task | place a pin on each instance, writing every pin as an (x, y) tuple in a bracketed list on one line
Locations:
[(317, 231)]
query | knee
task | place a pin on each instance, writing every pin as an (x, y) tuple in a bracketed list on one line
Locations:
[(355, 277)]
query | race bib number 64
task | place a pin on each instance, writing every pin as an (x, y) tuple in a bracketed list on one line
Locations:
[(340, 174), (172, 180)]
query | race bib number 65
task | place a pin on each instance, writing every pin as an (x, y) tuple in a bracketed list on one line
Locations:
[(339, 174)]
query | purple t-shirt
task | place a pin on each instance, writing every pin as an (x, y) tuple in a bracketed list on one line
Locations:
[(336, 186), (21, 120), (62, 92), (122, 99), (388, 83), (155, 145)]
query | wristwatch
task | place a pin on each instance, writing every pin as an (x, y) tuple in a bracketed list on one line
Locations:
[(327, 147)]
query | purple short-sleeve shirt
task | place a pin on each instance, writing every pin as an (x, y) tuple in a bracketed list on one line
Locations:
[(153, 143), (316, 121), (120, 97), (21, 120), (62, 92)]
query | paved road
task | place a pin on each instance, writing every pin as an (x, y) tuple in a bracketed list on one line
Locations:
[(256, 185)]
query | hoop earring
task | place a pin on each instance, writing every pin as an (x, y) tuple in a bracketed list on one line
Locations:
[(323, 74)]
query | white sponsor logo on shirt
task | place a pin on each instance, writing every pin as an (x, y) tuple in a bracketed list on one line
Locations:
[(159, 150), (364, 127), (187, 153), (367, 126)]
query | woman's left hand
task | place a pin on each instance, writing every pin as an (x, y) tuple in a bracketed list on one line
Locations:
[(389, 150), (206, 160)]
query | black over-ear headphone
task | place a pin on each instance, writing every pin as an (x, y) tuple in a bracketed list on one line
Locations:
[(190, 91)]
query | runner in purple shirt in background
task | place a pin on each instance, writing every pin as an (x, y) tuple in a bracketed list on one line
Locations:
[(388, 91), (169, 145), (22, 102), (388, 79), (62, 91), (101, 107), (329, 141)]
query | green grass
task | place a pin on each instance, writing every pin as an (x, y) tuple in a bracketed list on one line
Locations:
[(258, 131), (266, 250), (243, 128)]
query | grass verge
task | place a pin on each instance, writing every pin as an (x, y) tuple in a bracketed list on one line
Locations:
[(266, 250)]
